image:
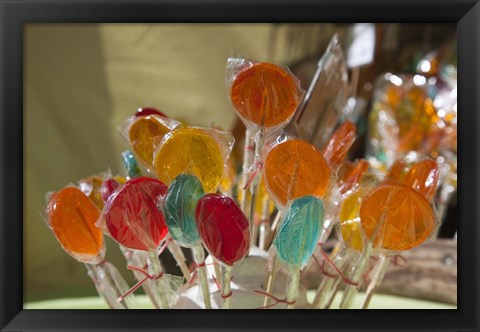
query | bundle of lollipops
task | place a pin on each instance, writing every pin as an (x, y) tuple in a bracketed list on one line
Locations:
[(252, 234)]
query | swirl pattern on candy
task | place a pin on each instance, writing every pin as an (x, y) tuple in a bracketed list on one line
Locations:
[(131, 214), (179, 207), (297, 236)]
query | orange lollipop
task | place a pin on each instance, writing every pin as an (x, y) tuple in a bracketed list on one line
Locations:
[(350, 175), (397, 170), (423, 177), (142, 133), (72, 217), (295, 168), (340, 142), (265, 94), (396, 217)]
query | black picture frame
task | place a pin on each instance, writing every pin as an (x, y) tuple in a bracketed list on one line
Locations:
[(14, 14)]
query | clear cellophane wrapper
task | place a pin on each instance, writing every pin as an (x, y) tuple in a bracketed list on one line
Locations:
[(380, 235), (248, 113), (337, 146), (143, 146), (299, 230), (92, 186), (172, 284), (178, 205), (131, 216), (410, 112), (282, 138), (224, 142), (326, 99), (229, 242), (352, 231), (108, 281), (248, 279), (110, 285), (69, 234), (162, 288)]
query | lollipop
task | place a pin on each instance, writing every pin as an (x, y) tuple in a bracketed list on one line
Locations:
[(394, 218), (142, 133), (424, 178), (397, 170), (349, 178), (349, 221), (340, 142), (297, 238), (295, 168), (145, 111), (224, 231), (402, 118), (72, 217), (133, 257), (265, 97), (144, 129), (265, 94), (180, 203), (108, 188), (91, 187), (133, 220), (354, 187), (193, 151), (179, 207), (130, 164), (131, 215)]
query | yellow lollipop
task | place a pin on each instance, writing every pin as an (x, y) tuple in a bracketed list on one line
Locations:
[(349, 217), (191, 151), (142, 133), (350, 221)]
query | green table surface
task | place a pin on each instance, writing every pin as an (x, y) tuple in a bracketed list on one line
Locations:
[(379, 301)]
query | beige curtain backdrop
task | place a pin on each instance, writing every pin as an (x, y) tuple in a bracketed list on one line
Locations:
[(82, 81)]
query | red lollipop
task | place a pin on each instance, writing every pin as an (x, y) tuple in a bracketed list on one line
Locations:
[(132, 217), (149, 111), (223, 228)]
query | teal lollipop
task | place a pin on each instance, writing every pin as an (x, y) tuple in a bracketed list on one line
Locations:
[(180, 203), (297, 238), (179, 209), (130, 164)]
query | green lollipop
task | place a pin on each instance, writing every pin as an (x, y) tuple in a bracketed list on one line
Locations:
[(180, 203), (179, 209), (297, 238)]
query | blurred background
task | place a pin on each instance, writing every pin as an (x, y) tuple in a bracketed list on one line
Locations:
[(83, 80)]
